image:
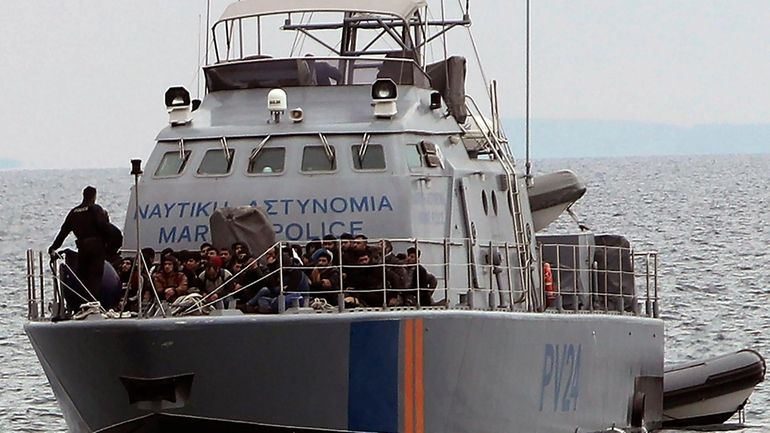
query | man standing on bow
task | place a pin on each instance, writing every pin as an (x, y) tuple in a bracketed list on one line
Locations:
[(90, 223)]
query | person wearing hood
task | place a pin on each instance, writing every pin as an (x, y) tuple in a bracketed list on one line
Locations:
[(324, 277)]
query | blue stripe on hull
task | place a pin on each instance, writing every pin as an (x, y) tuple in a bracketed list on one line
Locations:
[(373, 376)]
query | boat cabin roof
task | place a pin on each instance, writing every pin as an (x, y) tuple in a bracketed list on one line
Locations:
[(251, 8)]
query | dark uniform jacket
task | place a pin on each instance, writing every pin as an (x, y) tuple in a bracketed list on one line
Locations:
[(85, 221)]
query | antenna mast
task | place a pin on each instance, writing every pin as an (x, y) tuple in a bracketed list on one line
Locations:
[(198, 72), (208, 24), (526, 116)]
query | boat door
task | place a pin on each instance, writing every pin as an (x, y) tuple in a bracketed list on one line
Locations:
[(431, 203)]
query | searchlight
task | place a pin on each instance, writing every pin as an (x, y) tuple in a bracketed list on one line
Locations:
[(384, 96), (179, 106)]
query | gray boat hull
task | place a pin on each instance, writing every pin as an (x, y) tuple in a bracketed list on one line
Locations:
[(407, 371)]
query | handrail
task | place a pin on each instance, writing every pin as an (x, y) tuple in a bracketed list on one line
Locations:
[(604, 286), (580, 287)]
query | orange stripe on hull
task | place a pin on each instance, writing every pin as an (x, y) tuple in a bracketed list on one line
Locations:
[(419, 391)]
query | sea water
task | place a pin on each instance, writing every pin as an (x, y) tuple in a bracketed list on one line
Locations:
[(706, 215)]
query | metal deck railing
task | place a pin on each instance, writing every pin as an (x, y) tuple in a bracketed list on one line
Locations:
[(580, 285), (610, 279)]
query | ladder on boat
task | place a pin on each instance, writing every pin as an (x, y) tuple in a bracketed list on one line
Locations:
[(499, 149)]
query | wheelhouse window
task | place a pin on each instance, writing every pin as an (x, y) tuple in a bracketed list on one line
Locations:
[(318, 158), (172, 163), (268, 161), (264, 73), (424, 154), (216, 162), (413, 156), (372, 157)]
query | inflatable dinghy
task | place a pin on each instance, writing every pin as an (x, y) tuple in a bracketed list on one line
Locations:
[(711, 391), (551, 194)]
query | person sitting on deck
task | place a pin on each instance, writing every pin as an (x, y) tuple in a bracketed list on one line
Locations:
[(396, 274), (247, 285), (359, 245), (420, 279), (307, 258), (166, 251), (332, 245), (238, 248), (324, 277), (210, 254), (191, 269), (295, 282), (204, 251), (243, 256), (124, 270), (169, 281), (227, 258), (236, 266), (214, 277), (364, 283)]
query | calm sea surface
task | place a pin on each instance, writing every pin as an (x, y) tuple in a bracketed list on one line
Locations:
[(707, 216)]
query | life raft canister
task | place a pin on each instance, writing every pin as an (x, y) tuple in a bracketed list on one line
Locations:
[(550, 293)]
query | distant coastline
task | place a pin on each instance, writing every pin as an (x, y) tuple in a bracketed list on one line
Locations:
[(9, 163), (556, 138)]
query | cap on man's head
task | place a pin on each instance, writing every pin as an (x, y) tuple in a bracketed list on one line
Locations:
[(89, 192), (323, 252), (346, 236), (214, 262), (169, 258)]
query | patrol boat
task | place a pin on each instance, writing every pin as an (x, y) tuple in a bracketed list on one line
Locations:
[(377, 138)]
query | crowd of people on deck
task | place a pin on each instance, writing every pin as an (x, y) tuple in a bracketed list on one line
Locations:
[(325, 273), (321, 274)]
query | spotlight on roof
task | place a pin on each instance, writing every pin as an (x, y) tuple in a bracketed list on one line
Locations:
[(276, 104), (384, 96), (178, 105)]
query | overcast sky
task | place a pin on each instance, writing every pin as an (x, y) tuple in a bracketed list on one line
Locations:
[(82, 82)]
